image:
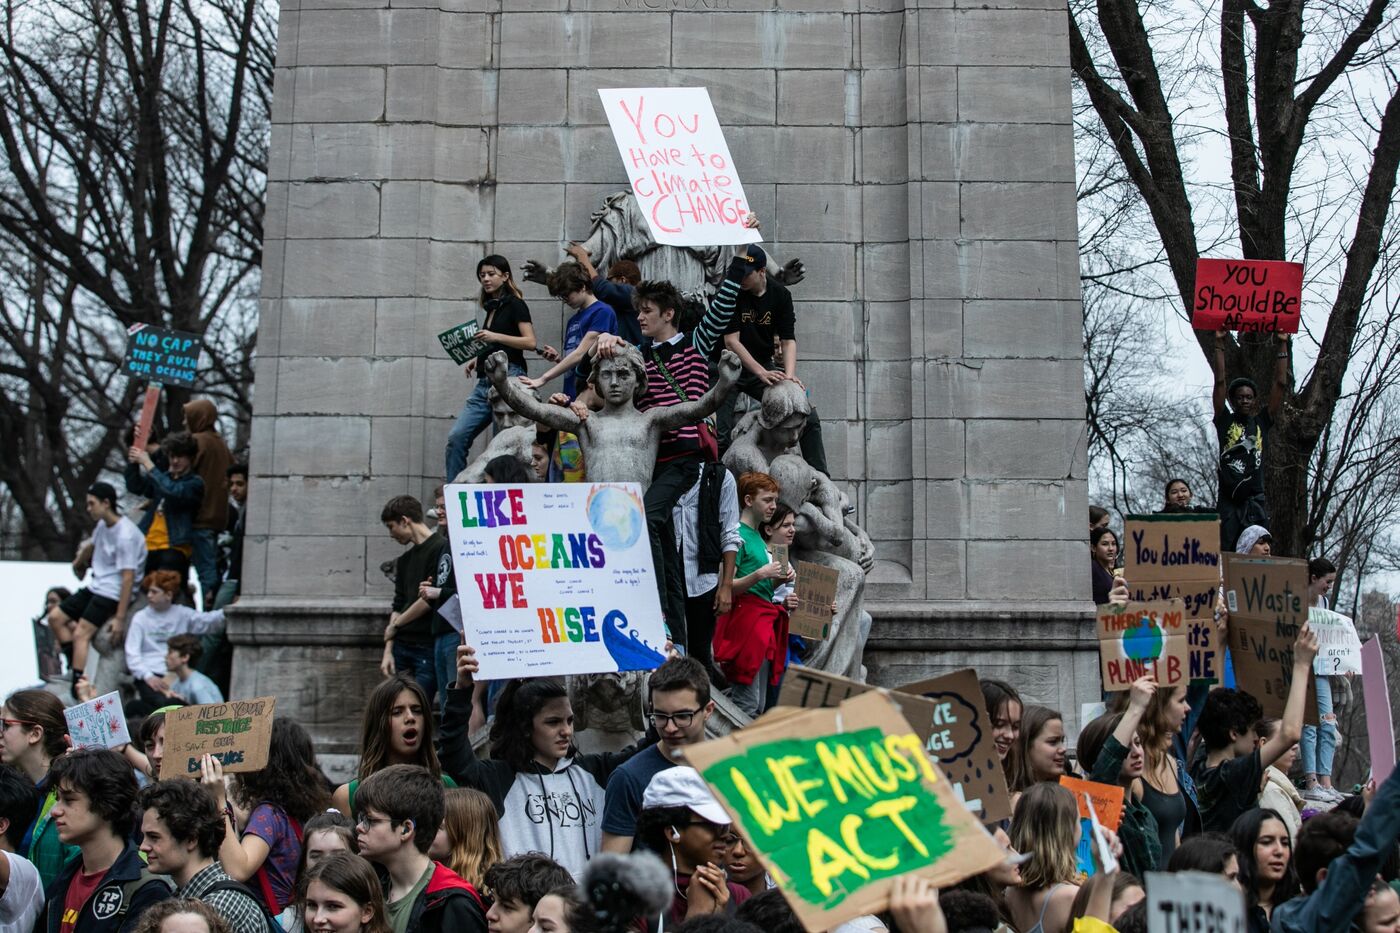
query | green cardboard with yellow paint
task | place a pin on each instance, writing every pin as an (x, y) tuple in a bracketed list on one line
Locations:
[(839, 802)]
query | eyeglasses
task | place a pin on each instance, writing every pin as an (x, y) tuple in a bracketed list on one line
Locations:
[(367, 821), (17, 722), (681, 718)]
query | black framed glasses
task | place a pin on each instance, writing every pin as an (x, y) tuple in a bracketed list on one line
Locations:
[(681, 718)]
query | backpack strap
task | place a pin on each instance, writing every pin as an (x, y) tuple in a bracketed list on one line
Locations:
[(129, 888)]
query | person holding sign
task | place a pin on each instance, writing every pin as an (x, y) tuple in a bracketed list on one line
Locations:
[(1046, 826), (1320, 742), (1242, 430), (1167, 789), (173, 497), (1230, 776), (508, 327), (1111, 752)]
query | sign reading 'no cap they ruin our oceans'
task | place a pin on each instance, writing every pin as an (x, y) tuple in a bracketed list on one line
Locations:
[(837, 803), (679, 165), (555, 578), (153, 354)]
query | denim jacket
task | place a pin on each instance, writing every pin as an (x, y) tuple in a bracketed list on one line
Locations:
[(178, 497)]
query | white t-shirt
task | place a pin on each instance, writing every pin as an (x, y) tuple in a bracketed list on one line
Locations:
[(114, 549), (24, 897)]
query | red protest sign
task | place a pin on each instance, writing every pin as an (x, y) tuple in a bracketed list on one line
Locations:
[(1253, 295)]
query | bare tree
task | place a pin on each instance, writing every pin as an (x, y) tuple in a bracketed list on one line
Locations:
[(134, 138), (1289, 80)]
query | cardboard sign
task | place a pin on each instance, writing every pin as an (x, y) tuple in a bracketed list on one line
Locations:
[(1338, 645), (779, 553), (816, 592), (1107, 798), (837, 803), (154, 354), (1178, 557), (1267, 598), (98, 723), (460, 342), (679, 165), (1192, 901), (1380, 728), (806, 688), (237, 733), (555, 578), (1141, 640), (961, 742), (1252, 295)]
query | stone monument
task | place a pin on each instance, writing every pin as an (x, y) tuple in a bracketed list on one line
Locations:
[(917, 156)]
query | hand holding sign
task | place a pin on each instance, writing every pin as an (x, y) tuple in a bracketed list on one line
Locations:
[(1247, 295)]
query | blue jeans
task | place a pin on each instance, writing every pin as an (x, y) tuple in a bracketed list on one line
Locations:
[(1319, 742), (416, 660), (471, 421), (206, 563), (445, 660)]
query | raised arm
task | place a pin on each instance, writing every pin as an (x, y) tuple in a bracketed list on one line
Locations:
[(673, 416), (721, 310), (557, 417), (1290, 727)]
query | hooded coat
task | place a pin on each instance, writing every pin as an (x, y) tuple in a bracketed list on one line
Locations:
[(211, 463)]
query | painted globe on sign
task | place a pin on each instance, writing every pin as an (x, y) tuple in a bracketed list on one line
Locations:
[(1143, 642), (616, 517)]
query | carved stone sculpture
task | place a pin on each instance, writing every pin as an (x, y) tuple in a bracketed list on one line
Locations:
[(513, 437), (620, 442), (620, 231), (771, 431)]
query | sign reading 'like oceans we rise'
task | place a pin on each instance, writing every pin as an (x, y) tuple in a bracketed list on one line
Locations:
[(555, 578)]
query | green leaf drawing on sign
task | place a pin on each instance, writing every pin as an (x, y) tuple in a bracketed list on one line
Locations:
[(838, 812)]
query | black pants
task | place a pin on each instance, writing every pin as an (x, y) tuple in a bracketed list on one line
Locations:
[(813, 450), (668, 483), (1235, 517), (700, 625)]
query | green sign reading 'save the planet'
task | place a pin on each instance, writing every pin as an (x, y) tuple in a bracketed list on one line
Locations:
[(838, 812)]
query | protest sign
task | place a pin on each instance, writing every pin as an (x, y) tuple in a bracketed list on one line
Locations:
[(779, 553), (154, 354), (1338, 645), (1141, 640), (1267, 599), (98, 723), (147, 417), (837, 803), (1252, 295), (816, 594), (1194, 902), (1107, 798), (555, 578), (1177, 556), (1104, 859), (806, 688), (460, 342), (237, 733), (1380, 727), (451, 612), (961, 742), (679, 165)]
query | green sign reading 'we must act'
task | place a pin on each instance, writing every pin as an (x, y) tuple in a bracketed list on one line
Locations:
[(837, 802)]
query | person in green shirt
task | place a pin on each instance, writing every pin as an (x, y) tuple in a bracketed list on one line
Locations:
[(35, 733), (751, 639)]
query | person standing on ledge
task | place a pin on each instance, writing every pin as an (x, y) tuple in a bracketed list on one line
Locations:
[(1242, 429)]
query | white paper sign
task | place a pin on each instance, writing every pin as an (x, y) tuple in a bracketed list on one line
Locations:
[(555, 578), (1178, 902), (1338, 645), (98, 723), (679, 165), (451, 612)]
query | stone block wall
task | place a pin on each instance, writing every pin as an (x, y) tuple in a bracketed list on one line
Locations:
[(917, 155)]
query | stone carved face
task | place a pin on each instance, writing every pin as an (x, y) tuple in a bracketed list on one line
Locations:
[(615, 381), (503, 415), (787, 431)]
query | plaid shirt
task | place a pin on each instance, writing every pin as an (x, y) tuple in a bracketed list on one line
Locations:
[(242, 912)]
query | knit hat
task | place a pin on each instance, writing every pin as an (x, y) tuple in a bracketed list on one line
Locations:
[(1250, 537)]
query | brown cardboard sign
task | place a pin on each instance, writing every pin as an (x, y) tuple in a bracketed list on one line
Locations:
[(816, 592), (779, 553), (237, 733), (1177, 556), (1267, 598), (1143, 640), (806, 688), (961, 742), (837, 803)]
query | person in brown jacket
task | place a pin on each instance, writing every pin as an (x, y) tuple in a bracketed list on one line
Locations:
[(211, 463)]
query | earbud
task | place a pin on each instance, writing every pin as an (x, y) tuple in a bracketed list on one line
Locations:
[(675, 836)]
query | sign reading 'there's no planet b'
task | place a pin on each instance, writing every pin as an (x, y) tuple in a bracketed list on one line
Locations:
[(555, 578)]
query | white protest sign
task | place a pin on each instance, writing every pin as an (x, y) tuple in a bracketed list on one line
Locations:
[(451, 612), (1338, 645), (679, 165), (1178, 902), (555, 578), (98, 723)]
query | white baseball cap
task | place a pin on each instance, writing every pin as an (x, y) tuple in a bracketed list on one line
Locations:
[(682, 786)]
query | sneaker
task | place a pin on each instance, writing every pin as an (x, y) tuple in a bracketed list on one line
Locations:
[(1317, 794), (1336, 795)]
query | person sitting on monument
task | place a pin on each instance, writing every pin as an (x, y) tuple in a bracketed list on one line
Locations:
[(1229, 777), (151, 628), (706, 519), (1255, 541), (533, 758), (173, 496), (1103, 548), (617, 288), (396, 729), (1242, 430), (182, 655), (750, 644), (507, 328), (591, 319), (765, 316)]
